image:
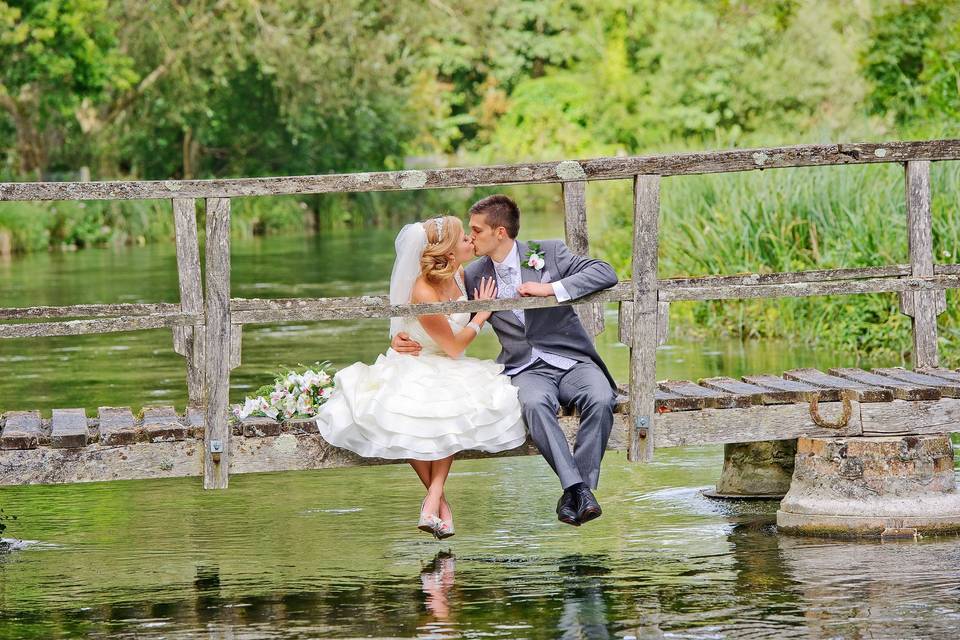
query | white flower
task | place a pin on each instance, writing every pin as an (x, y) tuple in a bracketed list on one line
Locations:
[(536, 262), (326, 392), (271, 412), (249, 406), (304, 404), (311, 379), (289, 406), (324, 377)]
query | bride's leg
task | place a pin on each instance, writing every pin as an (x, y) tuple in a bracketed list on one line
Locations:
[(424, 471), (438, 477)]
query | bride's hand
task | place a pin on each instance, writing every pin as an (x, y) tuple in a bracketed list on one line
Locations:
[(486, 291)]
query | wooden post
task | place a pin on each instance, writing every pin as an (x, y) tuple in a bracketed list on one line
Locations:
[(575, 223), (189, 341), (216, 438), (643, 343), (922, 306)]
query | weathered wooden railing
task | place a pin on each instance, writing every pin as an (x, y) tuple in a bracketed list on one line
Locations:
[(207, 325)]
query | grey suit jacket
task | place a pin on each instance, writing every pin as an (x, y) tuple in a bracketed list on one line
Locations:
[(552, 329)]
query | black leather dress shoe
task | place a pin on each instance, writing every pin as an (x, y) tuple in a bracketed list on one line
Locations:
[(587, 506), (567, 508)]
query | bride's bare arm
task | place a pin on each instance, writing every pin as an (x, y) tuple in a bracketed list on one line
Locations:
[(437, 326)]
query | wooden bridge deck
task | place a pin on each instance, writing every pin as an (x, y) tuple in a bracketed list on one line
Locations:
[(160, 443)]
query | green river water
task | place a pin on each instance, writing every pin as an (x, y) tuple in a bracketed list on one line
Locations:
[(335, 553)]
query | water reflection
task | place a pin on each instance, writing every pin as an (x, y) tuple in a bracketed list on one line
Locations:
[(436, 580), (864, 589), (584, 597)]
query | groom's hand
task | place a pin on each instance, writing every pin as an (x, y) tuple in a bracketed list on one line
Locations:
[(535, 289), (402, 343)]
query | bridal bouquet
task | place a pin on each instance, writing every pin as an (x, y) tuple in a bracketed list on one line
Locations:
[(291, 394)]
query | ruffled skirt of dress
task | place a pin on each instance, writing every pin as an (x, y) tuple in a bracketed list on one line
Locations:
[(423, 407)]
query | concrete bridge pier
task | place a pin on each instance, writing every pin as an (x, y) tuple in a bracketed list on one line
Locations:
[(755, 470), (892, 486)]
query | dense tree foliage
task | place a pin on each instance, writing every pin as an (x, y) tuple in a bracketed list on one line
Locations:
[(215, 88)]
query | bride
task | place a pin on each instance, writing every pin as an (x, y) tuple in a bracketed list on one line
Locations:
[(426, 408)]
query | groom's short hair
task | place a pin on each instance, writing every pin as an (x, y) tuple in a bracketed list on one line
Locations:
[(500, 211)]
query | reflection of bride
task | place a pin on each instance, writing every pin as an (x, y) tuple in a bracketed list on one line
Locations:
[(426, 408), (436, 580)]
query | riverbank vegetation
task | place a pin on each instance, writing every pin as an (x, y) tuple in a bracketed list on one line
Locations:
[(211, 89)]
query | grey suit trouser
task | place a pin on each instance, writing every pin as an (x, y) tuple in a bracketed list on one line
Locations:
[(543, 389)]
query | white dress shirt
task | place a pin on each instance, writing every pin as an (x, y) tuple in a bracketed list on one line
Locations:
[(509, 290)]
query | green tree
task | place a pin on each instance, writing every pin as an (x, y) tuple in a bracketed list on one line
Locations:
[(54, 56)]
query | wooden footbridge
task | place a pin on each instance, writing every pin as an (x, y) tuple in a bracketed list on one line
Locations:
[(207, 324)]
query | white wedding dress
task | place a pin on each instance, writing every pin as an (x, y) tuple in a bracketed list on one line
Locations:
[(424, 407)]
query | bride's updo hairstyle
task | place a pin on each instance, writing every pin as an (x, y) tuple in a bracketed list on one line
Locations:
[(442, 236)]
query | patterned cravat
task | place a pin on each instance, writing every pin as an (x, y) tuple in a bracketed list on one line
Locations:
[(507, 287)]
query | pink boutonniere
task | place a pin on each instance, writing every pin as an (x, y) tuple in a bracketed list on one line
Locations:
[(535, 257)]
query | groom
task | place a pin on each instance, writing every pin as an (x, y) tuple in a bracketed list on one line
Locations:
[(546, 352)]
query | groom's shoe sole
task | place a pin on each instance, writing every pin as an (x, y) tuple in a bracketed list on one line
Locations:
[(590, 514), (587, 506), (568, 519)]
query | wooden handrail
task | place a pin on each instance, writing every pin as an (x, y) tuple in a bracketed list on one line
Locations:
[(609, 168), (129, 317)]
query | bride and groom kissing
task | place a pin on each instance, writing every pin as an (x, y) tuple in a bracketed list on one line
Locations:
[(424, 400)]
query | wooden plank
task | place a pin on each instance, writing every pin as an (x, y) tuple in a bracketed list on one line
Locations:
[(21, 430), (862, 392), (575, 224), (922, 307), (711, 397), (340, 308), (939, 372), (625, 322), (792, 390), (902, 417), (68, 429), (89, 310), (249, 311), (787, 277), (260, 427), (608, 168), (162, 424), (667, 401), (301, 425), (901, 390), (236, 336), (806, 289), (216, 451), (754, 423), (643, 345), (117, 426), (757, 394), (947, 388), (101, 325), (189, 341)]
